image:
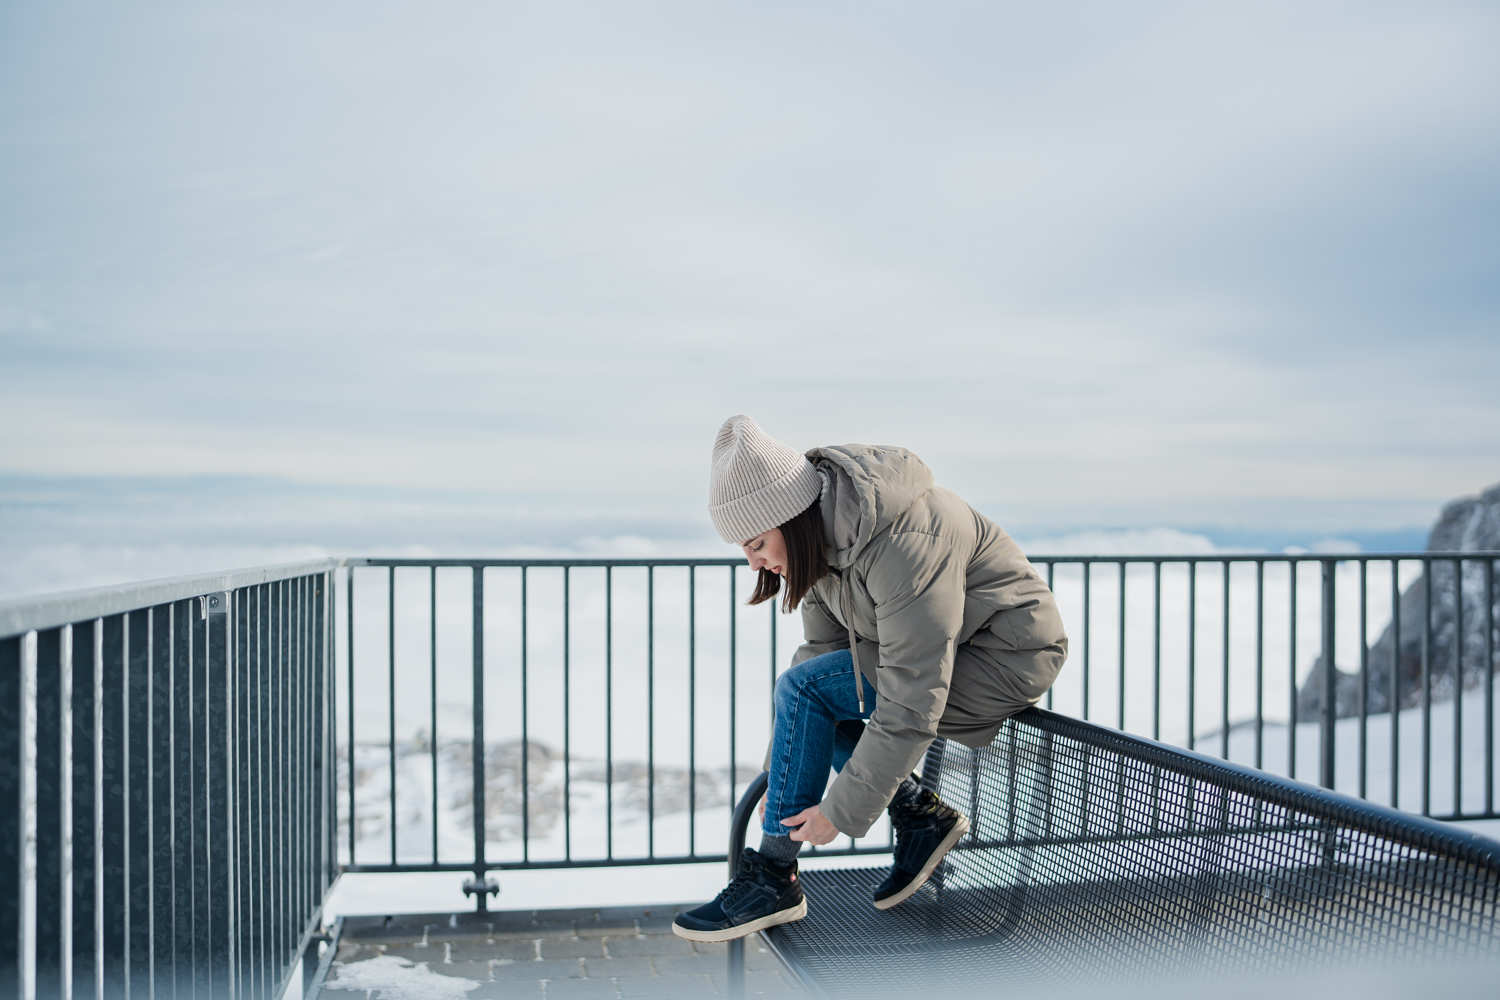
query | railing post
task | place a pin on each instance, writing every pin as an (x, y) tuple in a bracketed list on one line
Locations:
[(737, 825), (1327, 706)]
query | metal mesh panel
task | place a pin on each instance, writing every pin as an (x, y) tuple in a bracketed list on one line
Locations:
[(1097, 855)]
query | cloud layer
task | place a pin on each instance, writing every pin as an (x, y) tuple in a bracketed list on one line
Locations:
[(1133, 262)]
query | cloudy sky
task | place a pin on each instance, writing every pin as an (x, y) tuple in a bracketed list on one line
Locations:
[(1101, 265)]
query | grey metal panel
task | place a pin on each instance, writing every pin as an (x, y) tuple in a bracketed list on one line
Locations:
[(50, 736), (244, 813), (114, 812), (12, 811), (84, 776), (138, 795), (163, 848), (52, 610), (216, 932), (182, 796)]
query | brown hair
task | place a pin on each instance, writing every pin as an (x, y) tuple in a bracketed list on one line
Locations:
[(806, 560)]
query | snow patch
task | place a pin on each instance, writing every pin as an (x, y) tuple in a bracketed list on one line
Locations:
[(398, 979)]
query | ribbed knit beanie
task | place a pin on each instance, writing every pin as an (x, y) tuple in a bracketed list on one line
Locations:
[(757, 483)]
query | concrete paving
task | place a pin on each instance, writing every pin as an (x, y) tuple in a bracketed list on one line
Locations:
[(581, 954)]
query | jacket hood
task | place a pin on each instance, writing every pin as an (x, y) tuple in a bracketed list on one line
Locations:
[(868, 487)]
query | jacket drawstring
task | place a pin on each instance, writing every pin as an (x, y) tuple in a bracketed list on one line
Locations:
[(846, 598)]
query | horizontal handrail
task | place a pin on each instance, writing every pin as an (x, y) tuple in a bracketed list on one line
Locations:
[(1042, 557), (28, 614)]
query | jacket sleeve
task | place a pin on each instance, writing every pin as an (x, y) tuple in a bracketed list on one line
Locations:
[(916, 582)]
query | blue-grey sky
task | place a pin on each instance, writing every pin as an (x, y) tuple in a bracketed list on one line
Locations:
[(1100, 264)]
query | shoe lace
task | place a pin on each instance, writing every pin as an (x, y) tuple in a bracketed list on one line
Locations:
[(738, 885), (925, 805)]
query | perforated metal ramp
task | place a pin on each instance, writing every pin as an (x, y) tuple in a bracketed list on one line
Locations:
[(1094, 857)]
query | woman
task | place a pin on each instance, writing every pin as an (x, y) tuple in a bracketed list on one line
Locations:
[(952, 628)]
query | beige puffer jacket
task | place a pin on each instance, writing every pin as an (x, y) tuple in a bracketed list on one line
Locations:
[(951, 624)]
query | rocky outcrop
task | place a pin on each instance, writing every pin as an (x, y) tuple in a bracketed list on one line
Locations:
[(1471, 524)]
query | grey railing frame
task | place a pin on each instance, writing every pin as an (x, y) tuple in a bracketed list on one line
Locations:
[(1348, 812), (1082, 660), (178, 733)]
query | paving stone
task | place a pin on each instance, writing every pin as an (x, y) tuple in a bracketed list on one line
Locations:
[(516, 949), (755, 982), (619, 967), (602, 928), (572, 947), (685, 965), (417, 953), (517, 990), (656, 923), (711, 947), (582, 989), (477, 971), (668, 986), (649, 944), (566, 969), (350, 951), (761, 959)]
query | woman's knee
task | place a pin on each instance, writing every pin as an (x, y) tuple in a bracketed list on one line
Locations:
[(795, 679)]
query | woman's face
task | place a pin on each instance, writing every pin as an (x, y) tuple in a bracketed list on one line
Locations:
[(767, 551)]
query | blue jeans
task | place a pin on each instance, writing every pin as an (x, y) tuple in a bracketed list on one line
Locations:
[(812, 698)]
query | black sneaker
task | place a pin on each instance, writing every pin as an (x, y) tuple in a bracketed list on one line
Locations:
[(926, 829), (758, 898)]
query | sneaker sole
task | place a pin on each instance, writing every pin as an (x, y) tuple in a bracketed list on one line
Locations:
[(954, 835), (744, 930)]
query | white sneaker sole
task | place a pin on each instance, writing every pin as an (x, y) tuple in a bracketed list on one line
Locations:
[(954, 835), (744, 930)]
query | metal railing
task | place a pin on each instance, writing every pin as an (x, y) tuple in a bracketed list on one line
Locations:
[(167, 823), (614, 699), (170, 821)]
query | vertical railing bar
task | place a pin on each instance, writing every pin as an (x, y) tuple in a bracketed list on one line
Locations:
[(1050, 567), (1260, 661), (1156, 649), (1394, 681), (1291, 752), (349, 666), (1121, 714), (1427, 573), (84, 664), (1328, 698), (650, 711), (609, 712), (390, 616), (1364, 676), (525, 733), (1458, 686), (432, 721), (476, 746), (1087, 570), (693, 711), (1192, 655), (733, 643), (567, 715), (1489, 687), (1224, 692)]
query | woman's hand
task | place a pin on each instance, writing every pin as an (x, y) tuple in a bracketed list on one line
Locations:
[(763, 809), (812, 826)]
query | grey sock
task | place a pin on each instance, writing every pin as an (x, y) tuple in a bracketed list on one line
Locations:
[(782, 850), (906, 792)]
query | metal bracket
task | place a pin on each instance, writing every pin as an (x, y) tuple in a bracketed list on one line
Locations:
[(213, 604), (474, 887)]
